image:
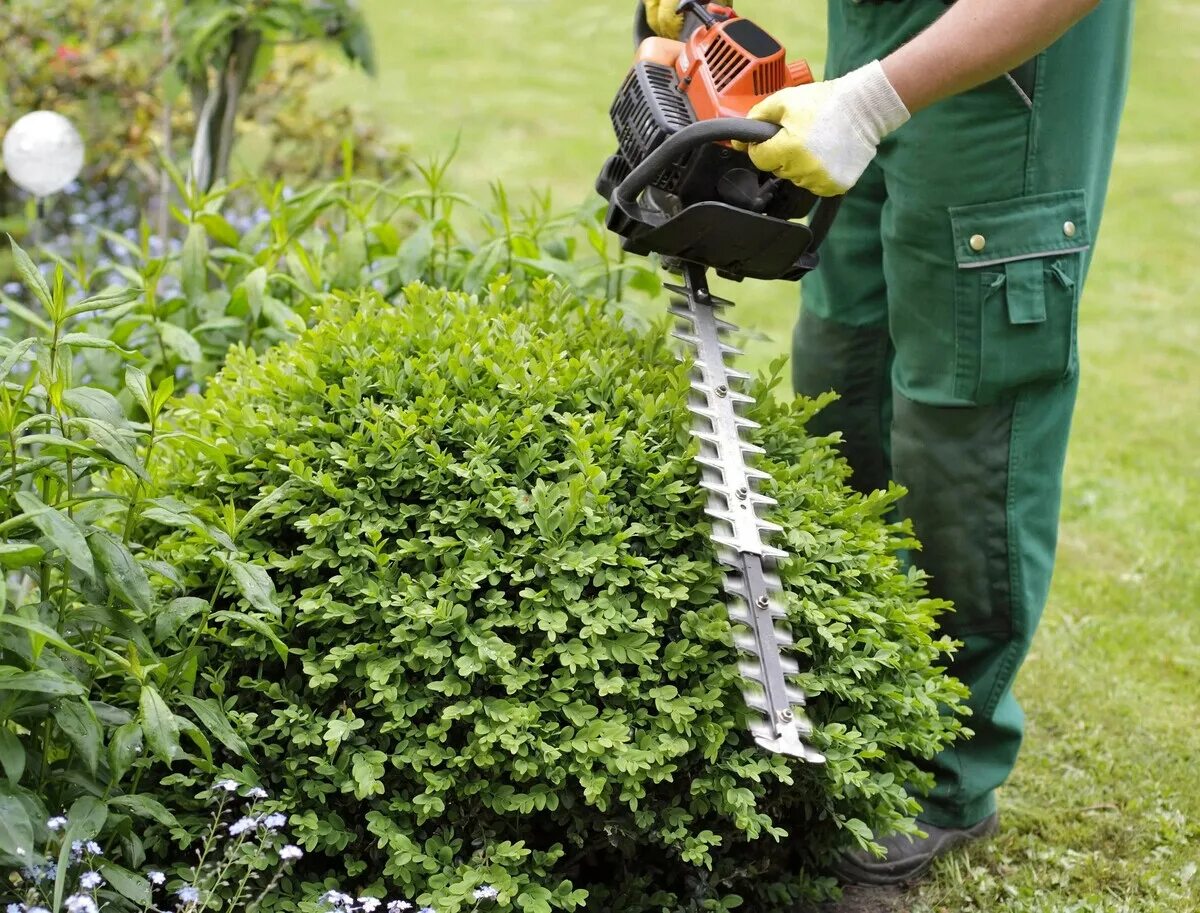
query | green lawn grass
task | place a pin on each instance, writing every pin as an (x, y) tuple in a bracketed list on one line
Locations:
[(1103, 812)]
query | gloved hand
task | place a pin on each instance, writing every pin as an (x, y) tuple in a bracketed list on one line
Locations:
[(662, 18), (830, 129)]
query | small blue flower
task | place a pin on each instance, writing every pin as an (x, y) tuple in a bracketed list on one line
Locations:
[(14, 288), (427, 910), (487, 892), (257, 793), (89, 881), (230, 786), (276, 821), (94, 848), (81, 903), (15, 908), (38, 910), (188, 894), (290, 853), (398, 906), (369, 904), (156, 878), (242, 825)]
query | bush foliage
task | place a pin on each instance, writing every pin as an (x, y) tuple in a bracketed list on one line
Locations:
[(497, 652)]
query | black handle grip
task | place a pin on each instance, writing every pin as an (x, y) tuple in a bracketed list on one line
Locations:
[(690, 137)]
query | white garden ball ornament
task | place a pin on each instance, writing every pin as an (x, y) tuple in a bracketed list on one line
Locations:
[(43, 152)]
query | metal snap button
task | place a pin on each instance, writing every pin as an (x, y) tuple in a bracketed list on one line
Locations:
[(978, 243), (1069, 229)]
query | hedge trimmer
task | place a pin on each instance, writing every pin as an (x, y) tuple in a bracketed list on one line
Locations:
[(677, 188)]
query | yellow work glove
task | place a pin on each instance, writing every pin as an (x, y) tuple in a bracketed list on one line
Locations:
[(830, 129), (662, 18)]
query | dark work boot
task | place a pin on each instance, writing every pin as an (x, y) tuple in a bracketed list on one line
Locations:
[(907, 857)]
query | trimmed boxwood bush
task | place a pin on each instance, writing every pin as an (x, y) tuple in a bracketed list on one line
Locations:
[(508, 658)]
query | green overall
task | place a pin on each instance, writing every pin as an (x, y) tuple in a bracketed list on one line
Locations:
[(944, 312)]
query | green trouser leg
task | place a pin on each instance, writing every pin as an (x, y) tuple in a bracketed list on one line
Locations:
[(945, 312)]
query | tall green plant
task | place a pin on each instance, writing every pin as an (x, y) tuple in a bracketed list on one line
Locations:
[(87, 702)]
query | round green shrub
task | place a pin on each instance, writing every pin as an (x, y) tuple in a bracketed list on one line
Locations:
[(510, 661)]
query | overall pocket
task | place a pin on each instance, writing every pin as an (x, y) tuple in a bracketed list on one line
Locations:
[(1020, 267)]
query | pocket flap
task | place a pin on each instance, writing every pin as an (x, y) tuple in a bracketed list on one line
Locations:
[(986, 234)]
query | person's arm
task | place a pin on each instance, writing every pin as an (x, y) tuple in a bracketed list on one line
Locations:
[(975, 41), (831, 129)]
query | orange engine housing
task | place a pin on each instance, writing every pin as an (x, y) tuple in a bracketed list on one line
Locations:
[(727, 68)]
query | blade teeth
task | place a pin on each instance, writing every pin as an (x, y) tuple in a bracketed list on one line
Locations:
[(681, 312), (750, 672), (677, 289), (753, 449), (719, 515), (706, 436), (686, 337), (757, 474), (727, 349)]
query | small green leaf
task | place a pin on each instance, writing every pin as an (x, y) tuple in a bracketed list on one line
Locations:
[(19, 554), (93, 402), (16, 830), (30, 275), (259, 626), (105, 301), (109, 441), (41, 681), (145, 807), (59, 529), (122, 571), (213, 718), (168, 619), (124, 748), (36, 630), (127, 884), (180, 341), (138, 384), (193, 263), (80, 725), (89, 341), (159, 725), (14, 355), (12, 756), (255, 584)]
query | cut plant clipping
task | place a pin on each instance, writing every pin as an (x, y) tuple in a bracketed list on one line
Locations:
[(43, 153), (507, 655)]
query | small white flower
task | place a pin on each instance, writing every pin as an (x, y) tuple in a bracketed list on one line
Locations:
[(290, 852), (242, 825), (81, 903), (94, 848), (398, 906), (276, 821), (156, 877), (38, 910), (15, 908), (487, 892), (427, 910), (57, 823), (338, 900), (20, 851), (230, 786), (369, 904), (188, 894), (257, 793), (89, 881)]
